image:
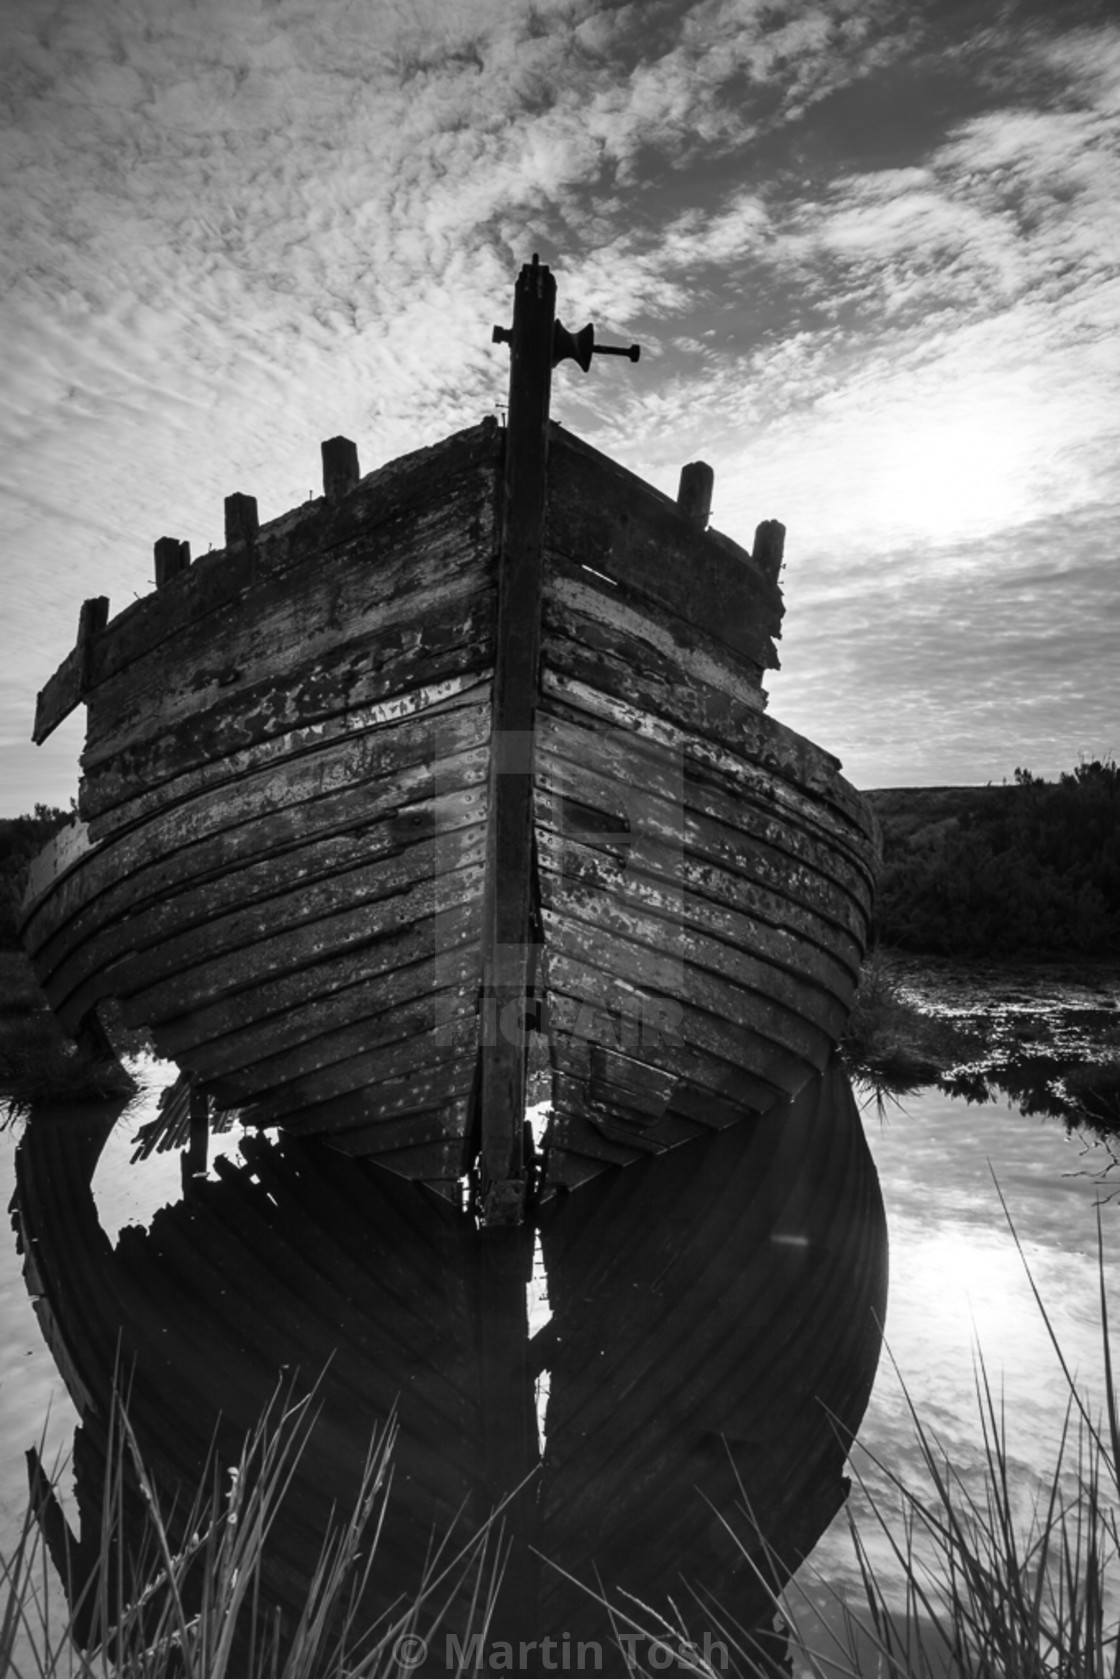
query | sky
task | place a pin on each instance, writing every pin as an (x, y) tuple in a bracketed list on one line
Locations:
[(870, 248)]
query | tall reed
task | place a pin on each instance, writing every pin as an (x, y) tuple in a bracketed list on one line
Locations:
[(156, 1607), (982, 1578)]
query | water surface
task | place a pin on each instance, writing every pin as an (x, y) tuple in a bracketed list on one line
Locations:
[(957, 1282)]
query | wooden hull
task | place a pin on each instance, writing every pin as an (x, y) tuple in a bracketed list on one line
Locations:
[(290, 792), (716, 1323)]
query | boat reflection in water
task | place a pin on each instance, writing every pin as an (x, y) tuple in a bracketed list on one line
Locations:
[(715, 1329)]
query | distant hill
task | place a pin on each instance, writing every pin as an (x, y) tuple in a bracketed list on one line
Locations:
[(1029, 869), (909, 811)]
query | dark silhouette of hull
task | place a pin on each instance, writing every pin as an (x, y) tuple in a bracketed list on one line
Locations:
[(716, 1322)]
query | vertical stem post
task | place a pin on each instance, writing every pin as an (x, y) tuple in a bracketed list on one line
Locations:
[(509, 955)]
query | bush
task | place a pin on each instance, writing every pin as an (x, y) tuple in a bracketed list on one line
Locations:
[(1031, 869)]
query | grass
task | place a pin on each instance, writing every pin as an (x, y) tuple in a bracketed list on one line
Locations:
[(38, 1062), (987, 1580), (983, 1580), (185, 1597), (890, 1041)]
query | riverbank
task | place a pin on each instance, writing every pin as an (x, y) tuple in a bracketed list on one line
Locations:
[(1046, 1034)]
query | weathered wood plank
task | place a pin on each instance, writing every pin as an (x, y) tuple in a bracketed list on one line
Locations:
[(445, 1125), (594, 653), (381, 752), (719, 906), (430, 1163), (291, 927), (325, 1035), (268, 665), (608, 1110), (691, 1044), (277, 719), (575, 1150), (434, 1086), (600, 775), (387, 972), (604, 517), (586, 606), (626, 963), (157, 987), (333, 992), (59, 695), (309, 612), (442, 1155), (693, 1101), (131, 873), (399, 494), (693, 966), (67, 848), (329, 902), (409, 1043), (717, 782), (391, 766), (134, 920)]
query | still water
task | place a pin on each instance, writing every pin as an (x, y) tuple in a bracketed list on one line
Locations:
[(956, 1282)]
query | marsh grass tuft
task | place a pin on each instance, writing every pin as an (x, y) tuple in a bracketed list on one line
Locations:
[(182, 1596), (890, 1042)]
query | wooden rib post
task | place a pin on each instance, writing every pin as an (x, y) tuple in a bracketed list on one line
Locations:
[(508, 953), (694, 497)]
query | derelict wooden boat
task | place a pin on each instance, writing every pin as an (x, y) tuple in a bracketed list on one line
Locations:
[(716, 1324), (453, 791)]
